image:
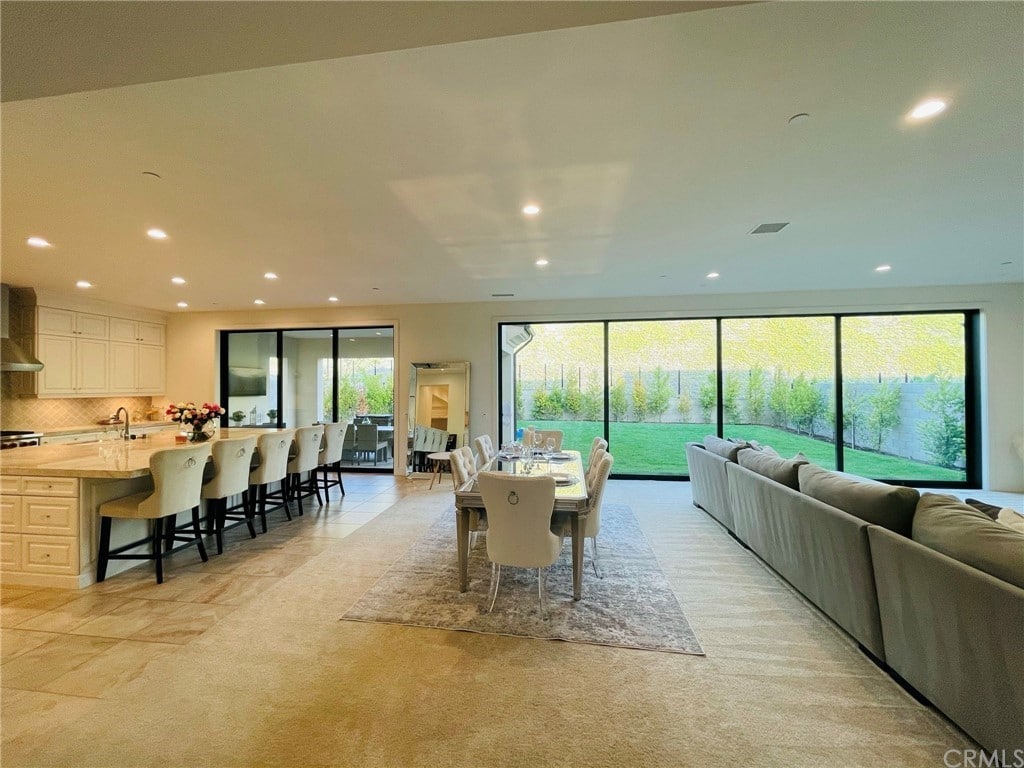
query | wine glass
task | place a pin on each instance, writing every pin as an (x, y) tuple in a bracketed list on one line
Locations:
[(550, 445), (538, 442)]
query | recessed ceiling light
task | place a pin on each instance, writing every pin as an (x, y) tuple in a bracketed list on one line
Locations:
[(531, 209), (84, 284), (712, 275), (332, 298), (39, 242), (182, 304), (259, 301), (929, 108), (157, 234), (178, 280), (270, 275), (542, 262), (351, 339), (378, 333), (883, 268)]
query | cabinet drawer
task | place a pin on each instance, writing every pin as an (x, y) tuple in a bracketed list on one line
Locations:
[(49, 516), (10, 552), (49, 554), (49, 486), (10, 514), (10, 484)]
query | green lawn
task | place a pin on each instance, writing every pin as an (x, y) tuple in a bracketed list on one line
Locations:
[(657, 449)]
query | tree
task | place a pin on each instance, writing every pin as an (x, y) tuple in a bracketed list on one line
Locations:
[(731, 398), (379, 392), (348, 399), (885, 411), (518, 400), (640, 404), (757, 395), (707, 396), (806, 404), (855, 405), (592, 402), (573, 398), (660, 394), (944, 434), (617, 401), (544, 406), (685, 405), (778, 401)]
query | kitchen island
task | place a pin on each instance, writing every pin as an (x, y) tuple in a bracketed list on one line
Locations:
[(49, 505)]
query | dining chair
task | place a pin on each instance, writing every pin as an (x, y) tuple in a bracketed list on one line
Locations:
[(368, 442), (460, 475), (519, 526), (177, 487), (330, 456), (591, 470), (595, 496), (308, 442), (348, 448), (598, 442), (468, 460), (273, 448), (484, 448), (232, 462)]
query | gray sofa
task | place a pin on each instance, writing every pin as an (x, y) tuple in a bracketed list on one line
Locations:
[(929, 587)]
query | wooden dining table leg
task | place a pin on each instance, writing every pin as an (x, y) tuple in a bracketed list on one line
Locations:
[(462, 534), (577, 558)]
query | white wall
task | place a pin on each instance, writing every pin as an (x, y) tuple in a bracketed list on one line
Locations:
[(439, 332)]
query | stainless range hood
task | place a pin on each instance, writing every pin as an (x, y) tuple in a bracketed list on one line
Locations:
[(12, 357)]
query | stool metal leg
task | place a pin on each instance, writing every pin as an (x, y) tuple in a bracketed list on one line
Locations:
[(198, 534), (102, 559)]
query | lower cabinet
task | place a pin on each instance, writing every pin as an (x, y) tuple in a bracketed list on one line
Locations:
[(39, 530)]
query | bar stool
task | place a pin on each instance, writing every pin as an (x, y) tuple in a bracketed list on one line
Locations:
[(232, 461), (177, 487), (273, 448), (330, 455), (308, 441)]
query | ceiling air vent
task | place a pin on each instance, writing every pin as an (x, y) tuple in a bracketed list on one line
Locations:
[(502, 295), (769, 229)]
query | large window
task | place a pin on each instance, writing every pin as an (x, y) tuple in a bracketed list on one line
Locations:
[(298, 377), (904, 400)]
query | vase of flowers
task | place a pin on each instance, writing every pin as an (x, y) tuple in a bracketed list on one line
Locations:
[(200, 419)]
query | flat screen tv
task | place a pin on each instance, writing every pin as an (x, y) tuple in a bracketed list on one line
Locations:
[(246, 382)]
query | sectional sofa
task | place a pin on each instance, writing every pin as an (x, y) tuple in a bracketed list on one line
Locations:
[(928, 586)]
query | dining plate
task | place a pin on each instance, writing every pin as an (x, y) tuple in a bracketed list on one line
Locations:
[(559, 457), (564, 478)]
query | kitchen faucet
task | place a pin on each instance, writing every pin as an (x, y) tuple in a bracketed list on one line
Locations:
[(127, 434)]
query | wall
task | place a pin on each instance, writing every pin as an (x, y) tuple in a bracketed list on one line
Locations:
[(427, 332)]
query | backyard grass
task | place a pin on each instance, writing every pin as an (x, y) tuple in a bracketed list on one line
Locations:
[(658, 449)]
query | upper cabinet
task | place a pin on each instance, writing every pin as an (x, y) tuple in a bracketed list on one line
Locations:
[(89, 354)]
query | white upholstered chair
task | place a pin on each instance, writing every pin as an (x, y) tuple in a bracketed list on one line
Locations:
[(177, 487), (519, 526), (232, 461), (273, 448), (469, 460), (595, 460), (308, 442), (330, 456), (484, 449), (598, 442), (595, 496)]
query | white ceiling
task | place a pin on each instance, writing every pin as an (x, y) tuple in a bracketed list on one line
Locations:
[(653, 146)]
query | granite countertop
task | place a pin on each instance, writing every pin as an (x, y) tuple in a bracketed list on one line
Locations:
[(115, 459)]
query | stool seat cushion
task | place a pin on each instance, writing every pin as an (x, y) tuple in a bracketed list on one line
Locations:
[(128, 507)]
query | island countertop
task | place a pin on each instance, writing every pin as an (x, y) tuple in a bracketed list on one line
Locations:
[(115, 459)]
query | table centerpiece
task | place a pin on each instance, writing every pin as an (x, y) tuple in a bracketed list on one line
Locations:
[(202, 419)]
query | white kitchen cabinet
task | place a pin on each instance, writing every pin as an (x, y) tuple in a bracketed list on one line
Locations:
[(136, 368), (122, 329), (65, 322), (41, 529), (72, 367)]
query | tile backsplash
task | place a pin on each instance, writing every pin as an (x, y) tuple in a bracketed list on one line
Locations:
[(42, 414)]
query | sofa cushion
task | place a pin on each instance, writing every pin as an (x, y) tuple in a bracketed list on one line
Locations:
[(989, 509), (1011, 518), (723, 448), (948, 525), (890, 506), (785, 471)]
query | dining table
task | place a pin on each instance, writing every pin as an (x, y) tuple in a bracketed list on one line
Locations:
[(571, 504)]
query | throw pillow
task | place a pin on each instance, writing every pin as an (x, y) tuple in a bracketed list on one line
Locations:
[(890, 506), (948, 525), (723, 448), (784, 471), (989, 509)]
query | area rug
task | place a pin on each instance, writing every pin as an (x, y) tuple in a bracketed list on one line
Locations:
[(632, 606)]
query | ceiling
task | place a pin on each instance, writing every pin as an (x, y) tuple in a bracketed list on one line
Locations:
[(381, 152)]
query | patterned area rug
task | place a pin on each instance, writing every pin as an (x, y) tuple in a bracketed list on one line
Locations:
[(631, 607)]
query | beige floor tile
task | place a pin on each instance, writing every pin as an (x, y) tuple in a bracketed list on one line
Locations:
[(37, 667), (186, 622), (14, 642), (72, 614), (129, 618), (121, 663)]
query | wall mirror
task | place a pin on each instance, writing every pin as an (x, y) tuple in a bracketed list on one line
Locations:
[(439, 400)]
